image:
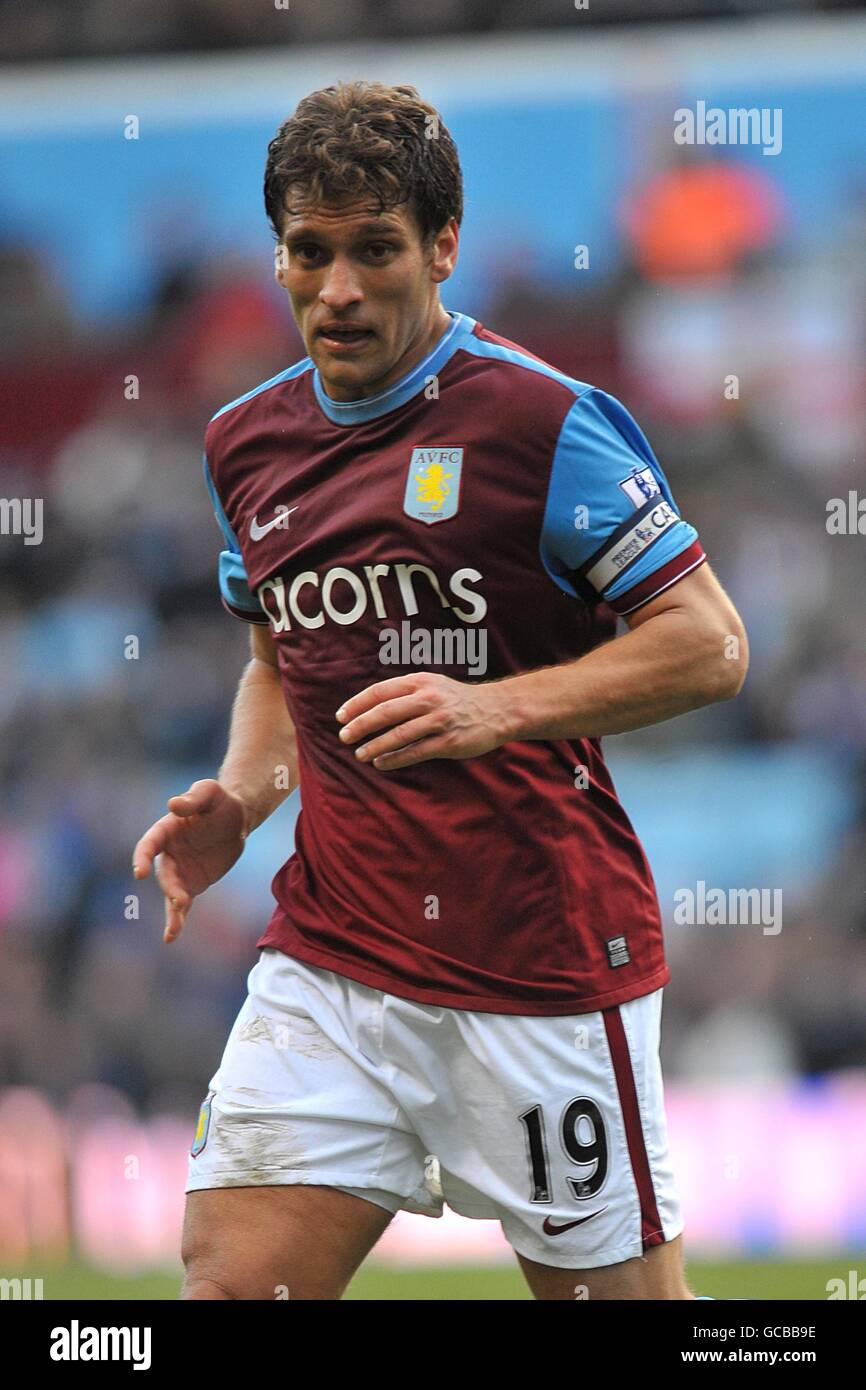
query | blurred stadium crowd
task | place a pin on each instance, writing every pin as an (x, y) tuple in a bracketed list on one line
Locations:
[(744, 366), (56, 29)]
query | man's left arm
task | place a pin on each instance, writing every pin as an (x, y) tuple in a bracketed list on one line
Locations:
[(611, 533), (685, 648)]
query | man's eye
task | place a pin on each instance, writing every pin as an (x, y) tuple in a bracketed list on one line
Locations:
[(306, 251), (379, 249)]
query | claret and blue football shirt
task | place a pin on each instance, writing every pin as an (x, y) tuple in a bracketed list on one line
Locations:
[(485, 494)]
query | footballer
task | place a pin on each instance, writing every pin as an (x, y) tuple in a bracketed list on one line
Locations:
[(457, 998)]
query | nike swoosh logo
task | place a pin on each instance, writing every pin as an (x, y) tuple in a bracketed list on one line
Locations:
[(551, 1229), (257, 531)]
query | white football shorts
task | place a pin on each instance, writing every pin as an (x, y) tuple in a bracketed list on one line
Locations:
[(553, 1126)]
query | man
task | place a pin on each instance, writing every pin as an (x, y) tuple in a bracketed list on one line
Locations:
[(458, 994)]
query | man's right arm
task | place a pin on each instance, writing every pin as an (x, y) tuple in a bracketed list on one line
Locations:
[(261, 764), (204, 832)]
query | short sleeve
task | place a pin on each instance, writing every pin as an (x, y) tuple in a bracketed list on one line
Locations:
[(233, 586), (611, 528)]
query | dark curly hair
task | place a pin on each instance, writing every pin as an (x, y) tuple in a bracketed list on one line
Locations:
[(356, 139)]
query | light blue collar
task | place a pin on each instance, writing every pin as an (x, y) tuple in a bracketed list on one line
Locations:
[(355, 412)]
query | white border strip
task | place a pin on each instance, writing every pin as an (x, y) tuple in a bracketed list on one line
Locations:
[(676, 579)]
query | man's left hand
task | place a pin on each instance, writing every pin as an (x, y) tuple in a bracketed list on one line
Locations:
[(426, 716)]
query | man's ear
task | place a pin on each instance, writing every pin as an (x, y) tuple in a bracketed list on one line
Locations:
[(443, 251), (281, 263)]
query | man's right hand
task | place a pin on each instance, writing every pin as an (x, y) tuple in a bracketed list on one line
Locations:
[(196, 843)]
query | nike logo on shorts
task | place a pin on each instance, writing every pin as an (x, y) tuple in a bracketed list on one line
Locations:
[(551, 1229)]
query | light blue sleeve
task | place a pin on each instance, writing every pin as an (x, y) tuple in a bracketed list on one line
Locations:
[(233, 585), (610, 520)]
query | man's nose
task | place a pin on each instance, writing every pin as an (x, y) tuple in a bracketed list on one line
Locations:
[(341, 287)]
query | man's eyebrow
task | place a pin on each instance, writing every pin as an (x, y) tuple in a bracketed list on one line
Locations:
[(376, 227)]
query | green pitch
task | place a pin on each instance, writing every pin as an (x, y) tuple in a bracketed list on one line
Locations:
[(799, 1279)]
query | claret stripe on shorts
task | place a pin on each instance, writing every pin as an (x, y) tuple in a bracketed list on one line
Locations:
[(650, 1221)]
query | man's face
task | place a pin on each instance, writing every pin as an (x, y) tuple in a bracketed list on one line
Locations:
[(364, 291)]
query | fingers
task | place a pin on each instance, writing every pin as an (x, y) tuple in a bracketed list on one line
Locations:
[(175, 917), (400, 737), (202, 797), (170, 880), (382, 716), (152, 843), (152, 848), (421, 752), (374, 695), (177, 900)]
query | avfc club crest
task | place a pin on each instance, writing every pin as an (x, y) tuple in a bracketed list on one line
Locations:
[(203, 1126), (433, 483)]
